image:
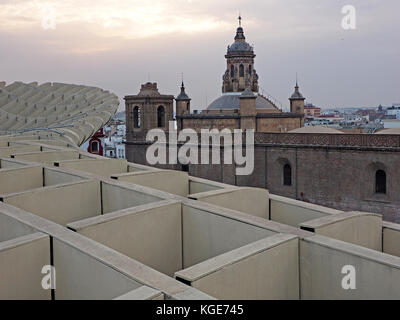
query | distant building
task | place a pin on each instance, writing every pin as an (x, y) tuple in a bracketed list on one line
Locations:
[(95, 144), (240, 106), (393, 111), (312, 111)]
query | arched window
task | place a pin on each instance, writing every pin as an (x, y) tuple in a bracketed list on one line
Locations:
[(287, 175), (136, 117), (241, 71), (160, 117), (95, 146), (250, 69), (380, 182), (232, 71)]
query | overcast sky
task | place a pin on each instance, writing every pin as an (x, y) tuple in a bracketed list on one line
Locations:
[(119, 44)]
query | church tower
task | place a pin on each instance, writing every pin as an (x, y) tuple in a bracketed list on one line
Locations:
[(182, 106), (240, 73), (147, 110), (297, 101)]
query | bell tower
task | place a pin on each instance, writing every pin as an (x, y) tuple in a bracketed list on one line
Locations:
[(147, 110), (182, 106), (240, 73), (297, 101)]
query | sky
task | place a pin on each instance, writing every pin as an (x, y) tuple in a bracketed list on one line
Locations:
[(119, 44)]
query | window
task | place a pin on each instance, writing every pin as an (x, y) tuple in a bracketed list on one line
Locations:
[(95, 146), (380, 182), (232, 71), (136, 117), (160, 117), (241, 71), (287, 175), (250, 69)]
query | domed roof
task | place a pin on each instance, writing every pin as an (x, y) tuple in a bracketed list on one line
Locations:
[(182, 95), (231, 100), (240, 47), (316, 129), (297, 95), (240, 44)]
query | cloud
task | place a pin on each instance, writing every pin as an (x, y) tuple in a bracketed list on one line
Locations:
[(116, 44)]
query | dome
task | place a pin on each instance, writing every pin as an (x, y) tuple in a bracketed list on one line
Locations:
[(182, 95), (316, 129), (240, 47), (231, 100), (240, 44), (297, 95)]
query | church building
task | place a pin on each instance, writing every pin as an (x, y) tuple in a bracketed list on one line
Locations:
[(241, 105)]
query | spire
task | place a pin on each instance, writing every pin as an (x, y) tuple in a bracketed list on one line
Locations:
[(239, 31), (296, 95), (182, 95)]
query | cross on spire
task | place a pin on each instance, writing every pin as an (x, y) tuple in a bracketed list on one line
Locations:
[(240, 20)]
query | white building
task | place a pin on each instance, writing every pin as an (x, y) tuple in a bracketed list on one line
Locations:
[(394, 111), (114, 142)]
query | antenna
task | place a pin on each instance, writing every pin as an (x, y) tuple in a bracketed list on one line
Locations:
[(148, 77)]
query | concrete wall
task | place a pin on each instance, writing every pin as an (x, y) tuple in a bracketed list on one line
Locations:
[(391, 238), (48, 157), (266, 269), (142, 293), (80, 276), (294, 212), (207, 234), (248, 200), (321, 263), (53, 177), (21, 263), (13, 180), (364, 229), (7, 152), (10, 164), (102, 167), (150, 234), (63, 203), (175, 182), (197, 185), (134, 167), (11, 228), (117, 198)]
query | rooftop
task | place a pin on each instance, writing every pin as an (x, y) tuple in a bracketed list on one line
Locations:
[(119, 230), (231, 100)]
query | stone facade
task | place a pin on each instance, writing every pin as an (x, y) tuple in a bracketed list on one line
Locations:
[(332, 170), (147, 110)]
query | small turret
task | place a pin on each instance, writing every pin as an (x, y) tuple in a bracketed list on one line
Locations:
[(297, 101), (182, 104)]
